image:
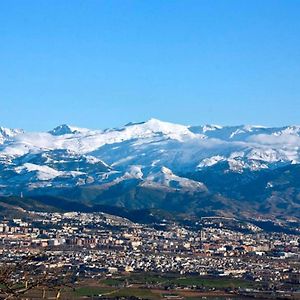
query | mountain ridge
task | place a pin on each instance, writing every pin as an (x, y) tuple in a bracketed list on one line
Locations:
[(148, 163)]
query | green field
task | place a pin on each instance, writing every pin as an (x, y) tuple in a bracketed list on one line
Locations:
[(135, 279), (143, 285), (218, 283), (124, 292), (141, 293), (185, 281), (91, 291)]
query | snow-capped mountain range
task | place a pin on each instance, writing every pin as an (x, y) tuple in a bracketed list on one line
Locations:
[(199, 170), (153, 154)]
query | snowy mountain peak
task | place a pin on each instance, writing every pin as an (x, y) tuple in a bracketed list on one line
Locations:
[(253, 127), (155, 125), (149, 129), (67, 129), (211, 127), (172, 130), (289, 130)]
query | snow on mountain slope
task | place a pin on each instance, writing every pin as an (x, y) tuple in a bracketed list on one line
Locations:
[(166, 178), (7, 133), (43, 172), (152, 151), (85, 141), (231, 133), (210, 161)]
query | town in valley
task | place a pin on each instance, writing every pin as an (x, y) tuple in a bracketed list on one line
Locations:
[(113, 254)]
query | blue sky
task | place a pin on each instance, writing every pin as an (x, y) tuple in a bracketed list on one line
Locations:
[(102, 64)]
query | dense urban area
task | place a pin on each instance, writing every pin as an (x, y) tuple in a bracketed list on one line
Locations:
[(114, 253)]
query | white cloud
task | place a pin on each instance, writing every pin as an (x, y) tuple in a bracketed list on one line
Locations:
[(276, 140)]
